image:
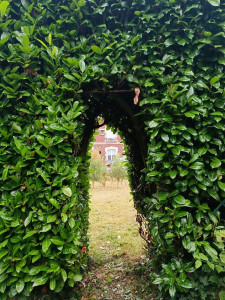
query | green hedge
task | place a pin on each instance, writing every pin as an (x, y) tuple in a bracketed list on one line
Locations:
[(53, 55)]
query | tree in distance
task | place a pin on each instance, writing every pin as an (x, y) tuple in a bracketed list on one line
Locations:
[(98, 169), (118, 170)]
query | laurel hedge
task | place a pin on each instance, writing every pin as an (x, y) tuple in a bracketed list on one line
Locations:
[(64, 63)]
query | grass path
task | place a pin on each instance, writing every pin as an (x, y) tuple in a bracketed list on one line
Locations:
[(113, 228), (116, 250)]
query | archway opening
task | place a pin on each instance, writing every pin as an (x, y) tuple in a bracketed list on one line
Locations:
[(119, 112), (108, 248), (113, 230)]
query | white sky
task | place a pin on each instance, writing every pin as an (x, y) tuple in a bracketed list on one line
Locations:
[(110, 135)]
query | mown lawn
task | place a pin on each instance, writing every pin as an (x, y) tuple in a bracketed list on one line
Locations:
[(113, 228)]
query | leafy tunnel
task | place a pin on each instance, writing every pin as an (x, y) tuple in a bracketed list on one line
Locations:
[(119, 111)]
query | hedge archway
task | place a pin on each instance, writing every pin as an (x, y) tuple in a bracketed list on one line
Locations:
[(120, 112), (55, 58)]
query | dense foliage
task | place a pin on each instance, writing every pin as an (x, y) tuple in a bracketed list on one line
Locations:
[(53, 55)]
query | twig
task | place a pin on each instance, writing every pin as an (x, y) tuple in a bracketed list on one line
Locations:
[(108, 92)]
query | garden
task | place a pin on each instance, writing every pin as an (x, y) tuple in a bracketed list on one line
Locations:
[(153, 70)]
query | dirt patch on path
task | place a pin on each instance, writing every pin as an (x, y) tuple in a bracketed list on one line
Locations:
[(120, 279)]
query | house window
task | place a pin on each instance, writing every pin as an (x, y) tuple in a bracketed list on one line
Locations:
[(102, 132), (111, 154)]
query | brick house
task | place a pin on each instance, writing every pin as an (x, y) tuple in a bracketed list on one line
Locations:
[(108, 144)]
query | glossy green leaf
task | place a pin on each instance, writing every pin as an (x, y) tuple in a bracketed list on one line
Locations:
[(215, 163), (213, 217), (64, 275), (186, 284), (203, 256), (46, 244), (180, 214), (221, 185), (46, 228), (214, 2), (67, 191), (163, 196), (169, 235), (96, 49), (153, 173), (153, 124), (28, 219), (71, 222), (165, 137), (173, 174), (25, 45), (202, 151), (40, 281), (29, 234), (179, 199), (78, 277), (3, 253), (38, 269), (50, 39), (212, 176), (215, 78), (5, 173), (51, 218), (211, 251), (198, 264), (214, 194), (43, 43), (54, 203), (20, 286), (3, 7), (58, 241), (172, 291), (211, 265), (82, 65), (52, 284), (64, 217)]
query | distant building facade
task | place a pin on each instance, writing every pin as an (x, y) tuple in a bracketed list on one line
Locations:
[(108, 144)]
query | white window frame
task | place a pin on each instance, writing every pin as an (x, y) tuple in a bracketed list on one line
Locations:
[(109, 149)]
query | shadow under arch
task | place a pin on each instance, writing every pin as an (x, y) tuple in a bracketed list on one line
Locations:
[(119, 111)]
